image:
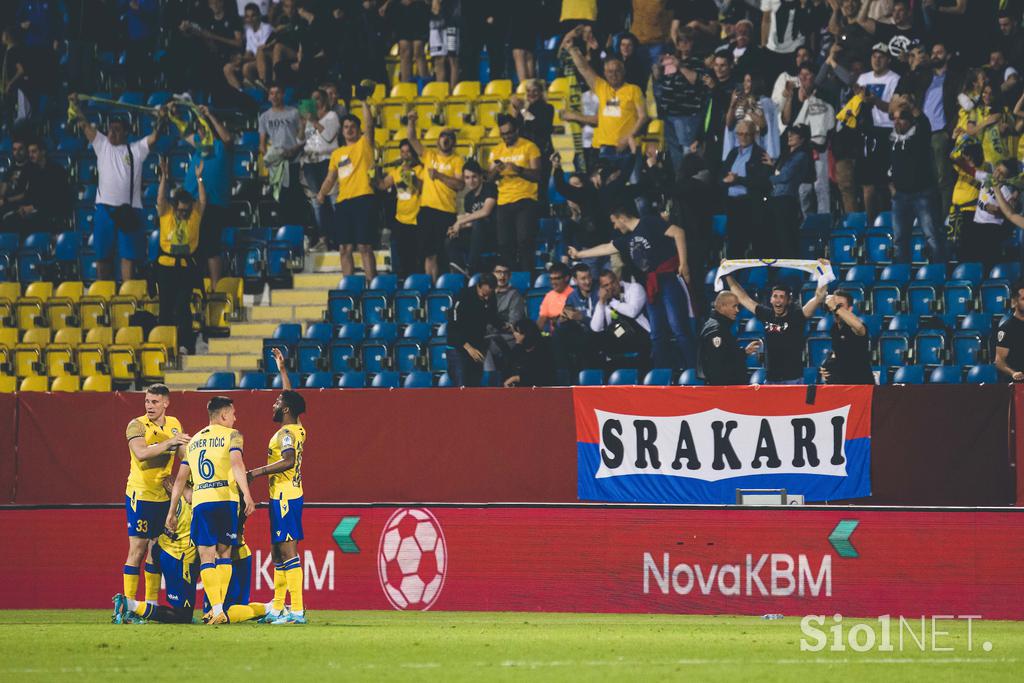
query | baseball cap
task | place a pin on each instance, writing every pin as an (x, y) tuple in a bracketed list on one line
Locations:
[(880, 47)]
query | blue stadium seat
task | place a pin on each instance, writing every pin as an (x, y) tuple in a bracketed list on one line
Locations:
[(1005, 271), (856, 220), (408, 302), (958, 297), (896, 273), (921, 299), (219, 381), (253, 380), (289, 333), (624, 376), (376, 351), (930, 347), (543, 281), (824, 325), (878, 247), (590, 378), (385, 282), (820, 223), (248, 141), (719, 227), (843, 247), (753, 326), (437, 354), (689, 378), (976, 322), (67, 251), (445, 381), (946, 374), (754, 360), (874, 324), (757, 377), (452, 282), (661, 377), (419, 379), (819, 347), (319, 380), (971, 272), (812, 375), (909, 374), (894, 348), (520, 279), (918, 248), (983, 374), (409, 350), (387, 379), (931, 274), (286, 252), (864, 275), (418, 283), (904, 323), (312, 349), (968, 348), (352, 380), (884, 220), (374, 306), (995, 297), (533, 301), (341, 306), (345, 346)]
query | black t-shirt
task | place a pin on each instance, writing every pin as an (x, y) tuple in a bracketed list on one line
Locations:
[(784, 342), (899, 40), (225, 27), (17, 179), (1011, 336), (685, 11), (852, 364), (647, 247), (473, 202)]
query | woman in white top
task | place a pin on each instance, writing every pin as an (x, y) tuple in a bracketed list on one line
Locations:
[(321, 134)]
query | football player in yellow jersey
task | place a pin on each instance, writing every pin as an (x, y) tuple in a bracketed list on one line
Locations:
[(213, 459), (355, 211), (284, 467), (236, 599), (180, 567), (153, 440)]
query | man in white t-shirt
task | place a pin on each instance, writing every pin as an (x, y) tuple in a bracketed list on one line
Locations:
[(980, 240), (257, 33), (264, 6), (118, 193), (780, 33), (877, 88), (321, 131)]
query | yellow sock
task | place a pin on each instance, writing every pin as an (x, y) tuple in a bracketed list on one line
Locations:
[(239, 613), (293, 575), (280, 588), (131, 581), (211, 583), (152, 583), (224, 569), (144, 610)]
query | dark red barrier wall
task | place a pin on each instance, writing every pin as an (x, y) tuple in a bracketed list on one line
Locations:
[(8, 435), (931, 445)]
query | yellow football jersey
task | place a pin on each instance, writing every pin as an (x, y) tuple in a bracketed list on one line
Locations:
[(146, 477), (181, 547), (287, 485), (209, 457)]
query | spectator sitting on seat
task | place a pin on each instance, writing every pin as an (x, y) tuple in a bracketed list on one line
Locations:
[(243, 64), (216, 154), (511, 308), (49, 192), (619, 319), (473, 231), (722, 361), (1010, 337), (531, 360), (850, 362), (14, 186), (468, 319), (554, 301), (117, 225), (572, 340), (784, 323), (176, 270)]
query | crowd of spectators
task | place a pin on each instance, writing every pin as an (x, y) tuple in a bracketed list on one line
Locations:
[(770, 112)]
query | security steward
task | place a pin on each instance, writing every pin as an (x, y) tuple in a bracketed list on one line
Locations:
[(722, 361)]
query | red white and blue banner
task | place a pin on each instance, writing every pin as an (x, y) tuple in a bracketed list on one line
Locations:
[(698, 445)]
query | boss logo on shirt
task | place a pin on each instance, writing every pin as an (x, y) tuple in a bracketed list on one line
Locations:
[(776, 328)]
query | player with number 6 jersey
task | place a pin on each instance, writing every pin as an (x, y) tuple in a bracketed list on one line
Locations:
[(284, 468)]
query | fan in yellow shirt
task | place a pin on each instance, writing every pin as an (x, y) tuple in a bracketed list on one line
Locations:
[(153, 440), (405, 180), (442, 180), (515, 165), (351, 166)]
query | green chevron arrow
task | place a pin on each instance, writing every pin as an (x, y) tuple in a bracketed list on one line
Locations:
[(343, 535), (840, 537)]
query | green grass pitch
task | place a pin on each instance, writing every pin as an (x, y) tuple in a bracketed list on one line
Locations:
[(464, 646)]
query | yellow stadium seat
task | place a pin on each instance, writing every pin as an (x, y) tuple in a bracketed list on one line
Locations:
[(483, 152), (466, 89), (59, 360), (29, 311), (72, 289), (470, 133), (136, 289), (27, 360), (34, 384), (5, 362), (8, 336), (39, 336), (72, 336), (92, 359), (457, 112), (232, 288), (430, 103), (121, 359), (437, 90), (392, 114), (559, 86), (70, 383), (129, 336), (152, 362), (381, 136), (93, 307), (403, 91), (104, 336), (61, 307), (431, 134), (9, 293), (8, 384), (166, 335), (121, 310), (390, 152), (39, 290), (501, 88), (487, 111), (96, 383), (103, 289), (222, 306)]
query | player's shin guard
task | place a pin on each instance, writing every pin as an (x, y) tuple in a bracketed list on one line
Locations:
[(131, 581), (211, 584), (224, 571), (293, 575), (280, 587), (152, 583)]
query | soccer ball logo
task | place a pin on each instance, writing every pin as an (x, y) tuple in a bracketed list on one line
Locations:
[(412, 559)]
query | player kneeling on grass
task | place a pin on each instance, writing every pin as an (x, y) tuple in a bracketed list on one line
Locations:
[(179, 564), (284, 467), (236, 599), (213, 459)]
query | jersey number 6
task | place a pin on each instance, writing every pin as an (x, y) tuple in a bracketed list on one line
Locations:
[(205, 466)]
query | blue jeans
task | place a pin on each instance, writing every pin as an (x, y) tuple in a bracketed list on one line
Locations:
[(672, 332), (463, 370), (622, 161), (680, 132), (924, 206)]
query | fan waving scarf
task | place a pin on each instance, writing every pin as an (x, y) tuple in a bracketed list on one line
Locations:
[(822, 271)]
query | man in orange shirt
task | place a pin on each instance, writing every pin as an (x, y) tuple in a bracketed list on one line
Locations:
[(554, 301)]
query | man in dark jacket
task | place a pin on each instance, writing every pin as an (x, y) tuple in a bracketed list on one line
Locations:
[(745, 177), (467, 331), (915, 186), (722, 361)]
